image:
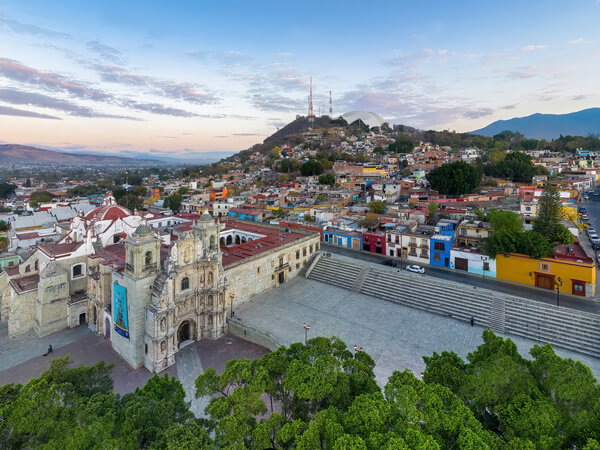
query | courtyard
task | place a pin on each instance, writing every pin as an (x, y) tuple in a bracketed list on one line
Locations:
[(395, 336)]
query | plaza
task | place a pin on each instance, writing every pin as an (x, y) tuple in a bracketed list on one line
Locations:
[(395, 336)]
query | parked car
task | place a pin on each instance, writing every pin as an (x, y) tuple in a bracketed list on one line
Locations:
[(586, 197), (585, 217), (389, 262), (415, 269), (594, 237), (596, 245), (591, 231)]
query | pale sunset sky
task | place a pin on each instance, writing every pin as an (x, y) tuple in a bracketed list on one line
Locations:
[(182, 78)]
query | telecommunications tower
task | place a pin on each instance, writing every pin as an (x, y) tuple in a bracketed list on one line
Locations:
[(311, 114)]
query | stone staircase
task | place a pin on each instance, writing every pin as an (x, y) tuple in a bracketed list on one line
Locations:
[(158, 284), (563, 327)]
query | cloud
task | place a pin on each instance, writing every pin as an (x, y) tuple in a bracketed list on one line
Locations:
[(442, 51), (523, 73), (269, 101), (530, 48), (8, 111), (411, 59), (104, 51), (578, 97), (284, 54), (18, 97), (178, 91), (24, 28), (229, 58), (247, 134), (477, 113), (157, 108), (579, 41), (16, 71), (508, 107)]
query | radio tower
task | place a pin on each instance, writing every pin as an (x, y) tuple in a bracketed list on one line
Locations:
[(330, 106), (311, 114)]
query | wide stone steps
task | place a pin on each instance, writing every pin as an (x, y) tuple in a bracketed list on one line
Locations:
[(563, 327)]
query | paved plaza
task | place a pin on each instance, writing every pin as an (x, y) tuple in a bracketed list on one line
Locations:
[(21, 358), (395, 336)]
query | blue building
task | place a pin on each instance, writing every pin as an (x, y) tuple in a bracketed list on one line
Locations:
[(441, 243), (341, 238)]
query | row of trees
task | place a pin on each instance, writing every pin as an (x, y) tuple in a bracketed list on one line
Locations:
[(318, 395)]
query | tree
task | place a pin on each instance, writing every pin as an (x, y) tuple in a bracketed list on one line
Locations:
[(7, 189), (548, 219), (528, 242), (378, 206), (28, 183), (432, 211), (401, 146), (3, 243), (131, 201), (505, 220), (455, 178), (3, 226), (327, 178), (173, 201), (311, 167)]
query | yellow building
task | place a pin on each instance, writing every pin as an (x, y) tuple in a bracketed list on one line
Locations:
[(569, 267)]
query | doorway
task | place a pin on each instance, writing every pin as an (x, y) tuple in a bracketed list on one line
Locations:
[(461, 264), (281, 277), (544, 281), (81, 318), (107, 328), (185, 333)]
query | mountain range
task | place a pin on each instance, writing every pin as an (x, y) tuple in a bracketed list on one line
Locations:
[(24, 154), (548, 126)]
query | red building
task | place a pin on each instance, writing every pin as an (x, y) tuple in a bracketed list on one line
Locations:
[(374, 242)]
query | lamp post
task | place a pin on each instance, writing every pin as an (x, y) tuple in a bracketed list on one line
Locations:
[(306, 328), (356, 349), (558, 284)]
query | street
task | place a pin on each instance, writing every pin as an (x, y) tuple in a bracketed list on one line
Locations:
[(546, 296)]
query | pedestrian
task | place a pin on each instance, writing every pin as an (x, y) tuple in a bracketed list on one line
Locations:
[(472, 320), (49, 348)]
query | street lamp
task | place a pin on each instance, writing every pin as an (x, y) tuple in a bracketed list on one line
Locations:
[(558, 284), (306, 328)]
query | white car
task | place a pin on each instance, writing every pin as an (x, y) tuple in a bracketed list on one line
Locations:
[(415, 269)]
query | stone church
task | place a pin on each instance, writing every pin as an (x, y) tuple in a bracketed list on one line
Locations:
[(149, 291), (188, 295)]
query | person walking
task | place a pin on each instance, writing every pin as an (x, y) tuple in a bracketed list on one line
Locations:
[(472, 321)]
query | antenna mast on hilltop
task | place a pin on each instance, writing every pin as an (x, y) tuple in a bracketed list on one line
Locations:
[(330, 106), (311, 114)]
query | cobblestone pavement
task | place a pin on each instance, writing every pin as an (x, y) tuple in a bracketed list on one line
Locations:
[(395, 336), (24, 361)]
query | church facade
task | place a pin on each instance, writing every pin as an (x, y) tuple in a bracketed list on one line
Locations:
[(150, 291)]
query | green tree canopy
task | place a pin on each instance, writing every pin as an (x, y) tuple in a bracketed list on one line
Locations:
[(311, 167), (455, 178), (327, 178), (505, 220), (378, 206), (548, 219)]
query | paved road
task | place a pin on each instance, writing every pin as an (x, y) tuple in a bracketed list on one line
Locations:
[(537, 294)]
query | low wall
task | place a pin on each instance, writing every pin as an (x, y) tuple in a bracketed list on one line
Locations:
[(251, 334)]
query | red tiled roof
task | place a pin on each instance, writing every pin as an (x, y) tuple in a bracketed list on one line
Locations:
[(274, 238), (12, 270), (54, 249), (108, 212)]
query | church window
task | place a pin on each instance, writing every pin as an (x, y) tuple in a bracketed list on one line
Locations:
[(304, 251), (27, 269), (146, 349), (258, 270), (77, 270), (297, 254), (185, 284), (148, 258), (36, 265), (210, 277), (212, 242), (210, 301)]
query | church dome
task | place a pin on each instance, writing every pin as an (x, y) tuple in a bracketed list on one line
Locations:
[(206, 217), (143, 230)]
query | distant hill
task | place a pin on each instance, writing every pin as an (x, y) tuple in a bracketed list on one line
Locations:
[(548, 126), (299, 125), (23, 154)]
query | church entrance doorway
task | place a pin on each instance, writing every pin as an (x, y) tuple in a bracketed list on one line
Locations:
[(185, 333), (281, 277)]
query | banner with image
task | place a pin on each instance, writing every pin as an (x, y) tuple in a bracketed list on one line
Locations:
[(120, 310)]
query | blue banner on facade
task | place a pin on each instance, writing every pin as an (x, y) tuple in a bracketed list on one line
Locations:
[(120, 310)]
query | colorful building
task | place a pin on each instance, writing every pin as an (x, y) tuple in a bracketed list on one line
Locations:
[(441, 243), (374, 242), (342, 238), (569, 268)]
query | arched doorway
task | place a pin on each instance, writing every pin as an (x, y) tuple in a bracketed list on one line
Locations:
[(185, 333), (107, 328)]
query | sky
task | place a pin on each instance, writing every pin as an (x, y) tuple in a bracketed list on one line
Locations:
[(177, 79)]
